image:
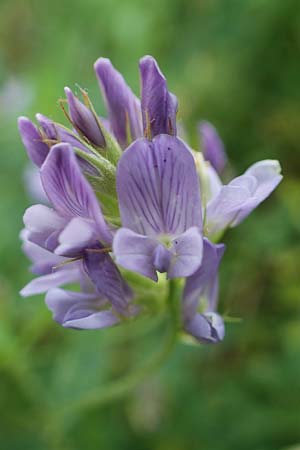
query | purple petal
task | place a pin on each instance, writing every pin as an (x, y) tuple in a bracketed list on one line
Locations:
[(135, 252), (123, 106), (43, 260), (76, 236), (206, 328), (84, 120), (32, 140), (158, 187), (64, 275), (186, 254), (159, 106), (79, 310), (201, 282), (68, 190), (107, 280), (43, 225), (212, 145)]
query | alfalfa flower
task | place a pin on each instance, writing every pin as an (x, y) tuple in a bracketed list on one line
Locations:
[(128, 198)]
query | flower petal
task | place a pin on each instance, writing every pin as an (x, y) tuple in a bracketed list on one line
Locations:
[(212, 145), (158, 187), (123, 106), (76, 236), (108, 280), (32, 139), (79, 310), (68, 190), (42, 284), (159, 106), (206, 328), (186, 254), (202, 282), (135, 252)]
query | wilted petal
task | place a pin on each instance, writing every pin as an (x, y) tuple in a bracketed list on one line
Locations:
[(158, 187), (135, 252), (108, 280), (123, 106), (79, 310), (212, 146), (159, 106), (68, 190), (186, 254), (84, 120), (37, 150)]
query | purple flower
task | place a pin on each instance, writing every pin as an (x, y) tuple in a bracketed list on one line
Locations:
[(202, 287), (159, 200), (212, 146), (233, 202), (123, 106), (76, 221), (159, 106)]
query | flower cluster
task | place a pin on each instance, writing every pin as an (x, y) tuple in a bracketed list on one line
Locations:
[(127, 196)]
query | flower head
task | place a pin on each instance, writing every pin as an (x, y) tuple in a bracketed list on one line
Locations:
[(128, 198)]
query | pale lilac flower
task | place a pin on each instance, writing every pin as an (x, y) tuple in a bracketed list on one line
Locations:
[(159, 199), (201, 290)]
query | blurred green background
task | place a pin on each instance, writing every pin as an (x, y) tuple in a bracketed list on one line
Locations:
[(237, 64)]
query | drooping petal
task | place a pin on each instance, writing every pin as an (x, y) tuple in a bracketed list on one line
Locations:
[(135, 252), (79, 310), (158, 187), (212, 146), (186, 254), (123, 106), (68, 190), (108, 280), (33, 141), (84, 120), (159, 106)]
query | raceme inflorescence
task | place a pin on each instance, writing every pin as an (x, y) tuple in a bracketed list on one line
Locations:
[(127, 200)]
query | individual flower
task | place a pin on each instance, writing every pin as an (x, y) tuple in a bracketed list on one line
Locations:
[(160, 207)]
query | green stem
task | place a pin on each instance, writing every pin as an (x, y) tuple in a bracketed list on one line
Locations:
[(116, 389)]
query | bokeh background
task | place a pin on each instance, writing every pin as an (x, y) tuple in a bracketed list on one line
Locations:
[(237, 64)]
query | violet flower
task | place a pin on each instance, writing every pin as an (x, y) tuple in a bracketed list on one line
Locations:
[(159, 200)]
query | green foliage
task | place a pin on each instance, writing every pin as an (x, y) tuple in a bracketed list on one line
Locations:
[(235, 63)]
